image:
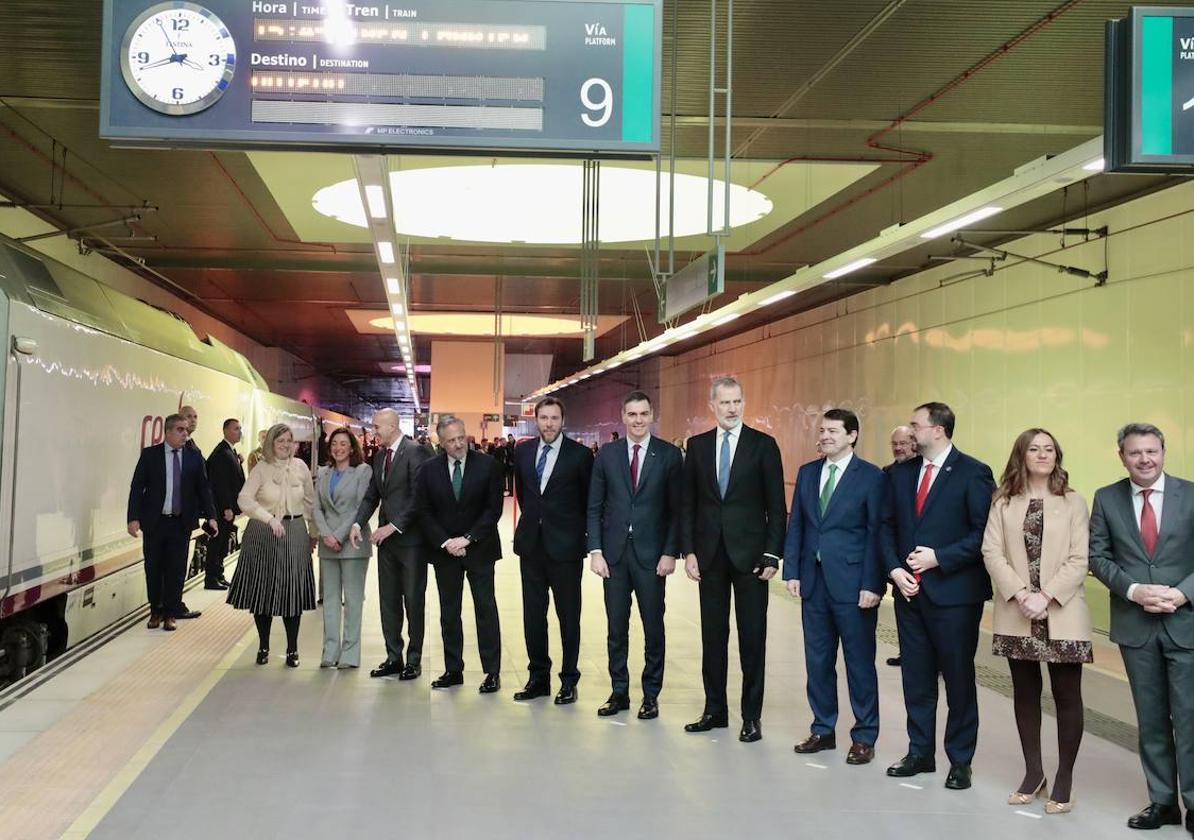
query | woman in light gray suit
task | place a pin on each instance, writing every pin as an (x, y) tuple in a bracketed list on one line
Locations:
[(339, 488)]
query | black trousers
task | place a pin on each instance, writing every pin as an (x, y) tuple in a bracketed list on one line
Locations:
[(718, 580), (450, 573), (165, 547), (217, 550), (631, 576), (541, 574), (402, 592)]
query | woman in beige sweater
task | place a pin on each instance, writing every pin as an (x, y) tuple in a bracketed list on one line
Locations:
[(274, 575), (1035, 549)]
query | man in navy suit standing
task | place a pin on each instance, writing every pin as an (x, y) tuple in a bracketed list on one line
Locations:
[(935, 512), (831, 561), (168, 495), (633, 534)]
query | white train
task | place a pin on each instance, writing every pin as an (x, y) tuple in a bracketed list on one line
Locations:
[(88, 378)]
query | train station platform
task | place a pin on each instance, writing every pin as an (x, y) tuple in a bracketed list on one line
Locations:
[(145, 734)]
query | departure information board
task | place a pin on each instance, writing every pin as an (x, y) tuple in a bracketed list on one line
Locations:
[(546, 76)]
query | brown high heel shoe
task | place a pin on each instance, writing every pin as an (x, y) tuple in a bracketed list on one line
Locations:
[(1018, 798), (1052, 807)]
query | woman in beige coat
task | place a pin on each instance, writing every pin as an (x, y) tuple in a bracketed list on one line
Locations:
[(1035, 549)]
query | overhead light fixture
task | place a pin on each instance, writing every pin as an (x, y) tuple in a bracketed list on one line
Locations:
[(385, 252), (613, 364), (1096, 165), (849, 267), (376, 197), (721, 322), (778, 296), (397, 308), (392, 286), (960, 222)]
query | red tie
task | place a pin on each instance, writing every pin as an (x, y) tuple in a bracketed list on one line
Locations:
[(634, 469), (922, 492), (1148, 524), (385, 473)]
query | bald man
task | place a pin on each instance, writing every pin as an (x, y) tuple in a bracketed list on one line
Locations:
[(903, 448)]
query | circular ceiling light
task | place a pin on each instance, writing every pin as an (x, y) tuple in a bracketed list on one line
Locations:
[(539, 204)]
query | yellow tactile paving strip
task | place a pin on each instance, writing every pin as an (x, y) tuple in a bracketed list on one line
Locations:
[(63, 781)]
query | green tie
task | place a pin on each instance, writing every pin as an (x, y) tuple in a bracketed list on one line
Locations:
[(829, 485), (457, 480)]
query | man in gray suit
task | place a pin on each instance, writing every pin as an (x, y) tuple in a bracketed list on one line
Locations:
[(633, 534), (401, 565), (1142, 548)]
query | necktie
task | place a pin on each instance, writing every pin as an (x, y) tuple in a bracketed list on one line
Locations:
[(1148, 524), (457, 479), (385, 472), (634, 468), (830, 485), (723, 468), (542, 464), (922, 492), (176, 490)]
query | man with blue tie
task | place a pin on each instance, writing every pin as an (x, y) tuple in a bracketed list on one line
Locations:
[(168, 495), (732, 535), (634, 513), (934, 515), (551, 480), (831, 562)]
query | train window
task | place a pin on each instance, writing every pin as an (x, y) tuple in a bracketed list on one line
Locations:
[(34, 274)]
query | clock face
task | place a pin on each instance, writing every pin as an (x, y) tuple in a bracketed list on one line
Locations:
[(177, 58)]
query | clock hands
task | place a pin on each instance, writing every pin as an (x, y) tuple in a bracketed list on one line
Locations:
[(177, 58), (166, 35)]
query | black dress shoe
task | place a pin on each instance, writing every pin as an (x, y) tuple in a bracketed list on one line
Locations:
[(649, 710), (616, 703), (1190, 822), (816, 743), (214, 584), (386, 669), (1155, 816), (958, 778), (752, 730), (490, 684), (262, 656), (225, 582), (566, 695), (893, 661), (188, 613), (532, 690), (411, 672), (292, 659), (448, 679), (911, 764), (706, 723)]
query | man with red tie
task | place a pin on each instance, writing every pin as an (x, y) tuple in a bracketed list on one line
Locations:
[(934, 516), (1142, 548)]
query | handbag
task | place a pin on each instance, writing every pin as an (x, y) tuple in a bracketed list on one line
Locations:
[(199, 556)]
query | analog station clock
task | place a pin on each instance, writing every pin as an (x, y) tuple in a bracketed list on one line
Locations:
[(177, 58)]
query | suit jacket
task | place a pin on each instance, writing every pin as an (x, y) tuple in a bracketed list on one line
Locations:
[(953, 522), (653, 509), (147, 491), (475, 514), (558, 516), (336, 512), (1118, 559), (750, 519), (395, 493), (841, 548), (1063, 565), (226, 476)]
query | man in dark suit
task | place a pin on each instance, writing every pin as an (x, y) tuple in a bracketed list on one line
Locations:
[(831, 562), (934, 514), (401, 560), (551, 477), (168, 496), (226, 475), (1142, 548), (732, 534), (903, 448), (460, 504), (633, 536)]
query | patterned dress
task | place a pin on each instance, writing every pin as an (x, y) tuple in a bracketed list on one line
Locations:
[(1037, 646)]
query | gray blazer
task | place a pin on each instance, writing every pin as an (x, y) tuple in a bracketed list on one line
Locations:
[(1118, 559), (335, 514)]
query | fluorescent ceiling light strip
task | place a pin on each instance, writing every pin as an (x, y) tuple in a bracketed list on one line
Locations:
[(376, 197), (778, 296), (961, 222), (385, 252), (392, 287), (849, 267), (721, 322), (397, 308), (1096, 165)]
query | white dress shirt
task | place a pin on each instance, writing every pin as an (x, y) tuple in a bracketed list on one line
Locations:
[(552, 454), (1155, 500), (642, 452), (841, 464), (463, 465), (735, 433), (938, 463), (167, 509)]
